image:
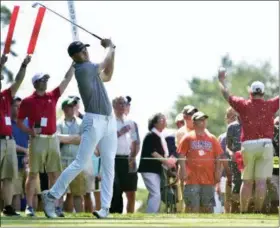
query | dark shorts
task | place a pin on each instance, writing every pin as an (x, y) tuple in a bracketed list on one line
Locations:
[(236, 178), (199, 195), (127, 181)]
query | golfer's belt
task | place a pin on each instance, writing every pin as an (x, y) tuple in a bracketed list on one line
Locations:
[(276, 162)]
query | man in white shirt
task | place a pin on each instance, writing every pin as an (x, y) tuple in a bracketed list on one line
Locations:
[(125, 168)]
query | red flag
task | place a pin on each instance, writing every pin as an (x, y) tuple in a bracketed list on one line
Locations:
[(36, 30), (11, 30)]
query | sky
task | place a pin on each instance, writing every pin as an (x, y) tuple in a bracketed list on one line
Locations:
[(160, 45)]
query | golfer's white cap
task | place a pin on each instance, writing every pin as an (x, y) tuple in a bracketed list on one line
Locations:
[(257, 86), (179, 117), (39, 76)]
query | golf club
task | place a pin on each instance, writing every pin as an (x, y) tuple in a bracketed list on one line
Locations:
[(34, 5)]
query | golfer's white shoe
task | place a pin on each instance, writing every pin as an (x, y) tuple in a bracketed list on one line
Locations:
[(102, 213), (48, 205)]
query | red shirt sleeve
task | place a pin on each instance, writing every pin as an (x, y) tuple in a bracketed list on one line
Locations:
[(8, 94), (274, 102), (55, 94), (22, 112), (238, 103)]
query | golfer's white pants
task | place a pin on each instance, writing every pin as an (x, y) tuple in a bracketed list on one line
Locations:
[(152, 182), (96, 130)]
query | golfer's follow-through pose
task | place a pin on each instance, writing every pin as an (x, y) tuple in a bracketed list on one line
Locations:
[(99, 127)]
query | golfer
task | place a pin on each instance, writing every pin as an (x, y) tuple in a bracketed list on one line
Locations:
[(98, 127)]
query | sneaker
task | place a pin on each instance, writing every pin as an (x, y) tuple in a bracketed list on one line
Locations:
[(29, 211), (103, 213), (59, 212), (48, 204), (10, 211)]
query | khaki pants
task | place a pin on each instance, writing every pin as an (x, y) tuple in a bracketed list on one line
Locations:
[(8, 159), (258, 159), (19, 184), (44, 152)]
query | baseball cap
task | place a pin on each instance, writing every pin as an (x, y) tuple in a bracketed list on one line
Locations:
[(76, 98), (67, 102), (128, 99), (188, 109), (179, 117), (76, 47), (257, 87), (39, 76), (199, 116)]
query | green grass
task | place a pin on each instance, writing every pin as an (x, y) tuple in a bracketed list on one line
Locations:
[(145, 220)]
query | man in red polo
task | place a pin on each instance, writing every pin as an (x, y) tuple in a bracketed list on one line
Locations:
[(8, 156), (256, 115), (44, 152)]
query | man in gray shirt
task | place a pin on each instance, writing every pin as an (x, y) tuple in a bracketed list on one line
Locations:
[(98, 127)]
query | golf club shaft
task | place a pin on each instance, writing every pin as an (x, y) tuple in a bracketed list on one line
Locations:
[(98, 37)]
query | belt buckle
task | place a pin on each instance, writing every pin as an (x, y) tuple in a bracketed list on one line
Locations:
[(7, 137)]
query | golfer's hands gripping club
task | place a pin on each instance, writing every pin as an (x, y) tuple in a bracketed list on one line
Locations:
[(107, 43)]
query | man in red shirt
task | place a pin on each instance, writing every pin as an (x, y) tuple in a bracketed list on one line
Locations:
[(8, 155), (256, 115), (44, 152)]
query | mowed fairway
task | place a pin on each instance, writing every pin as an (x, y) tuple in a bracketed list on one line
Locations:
[(144, 220)]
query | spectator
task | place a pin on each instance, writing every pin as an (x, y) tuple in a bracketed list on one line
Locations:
[(256, 115), (70, 125), (187, 112), (125, 168), (234, 145), (154, 150), (40, 109), (8, 155), (274, 181), (201, 170), (21, 140), (231, 118), (77, 106), (179, 120)]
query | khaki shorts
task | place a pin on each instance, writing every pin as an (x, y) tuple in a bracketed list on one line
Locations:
[(19, 184), (82, 184), (257, 159), (44, 153), (8, 159)]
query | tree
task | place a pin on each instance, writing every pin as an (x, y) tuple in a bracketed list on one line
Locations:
[(5, 20), (206, 94)]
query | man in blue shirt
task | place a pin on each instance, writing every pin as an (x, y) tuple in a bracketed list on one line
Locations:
[(21, 139)]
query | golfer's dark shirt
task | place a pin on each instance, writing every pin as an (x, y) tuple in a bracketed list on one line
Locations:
[(92, 89)]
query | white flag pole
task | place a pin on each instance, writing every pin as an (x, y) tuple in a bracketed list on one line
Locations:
[(72, 14)]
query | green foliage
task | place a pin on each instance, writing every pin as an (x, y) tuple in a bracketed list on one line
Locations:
[(206, 95), (5, 20)]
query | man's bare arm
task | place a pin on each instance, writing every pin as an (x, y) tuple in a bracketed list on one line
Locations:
[(69, 139), (20, 75), (222, 85), (106, 68), (68, 76)]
